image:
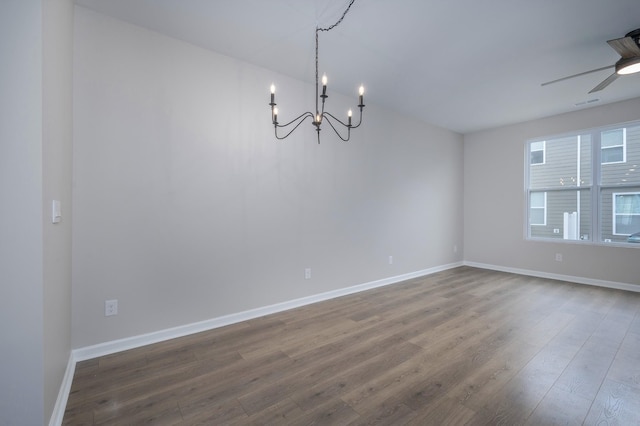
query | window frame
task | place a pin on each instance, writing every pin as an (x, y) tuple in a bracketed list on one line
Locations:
[(598, 221), (614, 215)]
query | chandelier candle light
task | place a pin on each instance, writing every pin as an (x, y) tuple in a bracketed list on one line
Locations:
[(320, 114)]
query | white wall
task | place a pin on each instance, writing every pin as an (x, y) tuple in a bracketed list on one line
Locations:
[(495, 207), (186, 208), (35, 166), (21, 316), (57, 133)]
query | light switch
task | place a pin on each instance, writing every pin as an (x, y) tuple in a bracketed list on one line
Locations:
[(56, 216)]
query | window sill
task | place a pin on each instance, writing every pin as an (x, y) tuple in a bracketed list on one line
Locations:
[(585, 242)]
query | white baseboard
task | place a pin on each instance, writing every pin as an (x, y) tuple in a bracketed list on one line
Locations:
[(107, 348), (63, 394), (560, 277)]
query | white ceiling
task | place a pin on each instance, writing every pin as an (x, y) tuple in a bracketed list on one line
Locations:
[(465, 65)]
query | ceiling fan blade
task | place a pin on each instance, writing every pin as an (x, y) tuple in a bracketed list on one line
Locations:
[(577, 75), (625, 46), (607, 81)]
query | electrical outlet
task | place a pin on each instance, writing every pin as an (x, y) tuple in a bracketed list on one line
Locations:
[(390, 260), (558, 257), (110, 307), (307, 273)]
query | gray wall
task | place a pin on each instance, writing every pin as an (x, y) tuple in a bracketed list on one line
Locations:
[(21, 370), (494, 217), (57, 24), (35, 153), (186, 208)]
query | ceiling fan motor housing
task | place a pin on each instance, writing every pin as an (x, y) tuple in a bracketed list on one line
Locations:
[(630, 63), (635, 35)]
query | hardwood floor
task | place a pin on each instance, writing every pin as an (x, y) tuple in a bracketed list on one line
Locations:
[(464, 346)]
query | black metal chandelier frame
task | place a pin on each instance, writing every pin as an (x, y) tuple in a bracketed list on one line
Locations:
[(320, 114)]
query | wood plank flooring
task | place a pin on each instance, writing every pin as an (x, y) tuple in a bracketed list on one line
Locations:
[(462, 347)]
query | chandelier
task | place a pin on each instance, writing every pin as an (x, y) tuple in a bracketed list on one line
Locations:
[(320, 114)]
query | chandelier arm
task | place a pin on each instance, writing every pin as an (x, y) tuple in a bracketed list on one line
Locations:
[(359, 122), (301, 119), (336, 130), (307, 114), (344, 124), (337, 119)]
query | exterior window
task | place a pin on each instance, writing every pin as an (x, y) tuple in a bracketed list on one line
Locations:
[(585, 186), (613, 146), (537, 152), (559, 188), (538, 209), (626, 213), (620, 184)]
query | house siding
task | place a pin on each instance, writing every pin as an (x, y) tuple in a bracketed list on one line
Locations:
[(560, 168), (559, 202)]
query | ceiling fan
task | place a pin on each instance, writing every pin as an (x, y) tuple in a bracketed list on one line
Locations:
[(629, 63)]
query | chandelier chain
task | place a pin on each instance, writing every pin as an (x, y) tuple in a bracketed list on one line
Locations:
[(339, 20), (327, 29)]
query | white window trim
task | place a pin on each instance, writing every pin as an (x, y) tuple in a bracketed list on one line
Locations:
[(624, 148), (614, 214)]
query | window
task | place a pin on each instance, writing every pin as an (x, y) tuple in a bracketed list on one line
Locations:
[(585, 185), (613, 146), (626, 213), (560, 185), (537, 153), (538, 208)]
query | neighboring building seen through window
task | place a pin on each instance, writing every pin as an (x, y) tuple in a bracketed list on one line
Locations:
[(537, 153), (538, 208), (585, 185), (613, 146), (626, 213)]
